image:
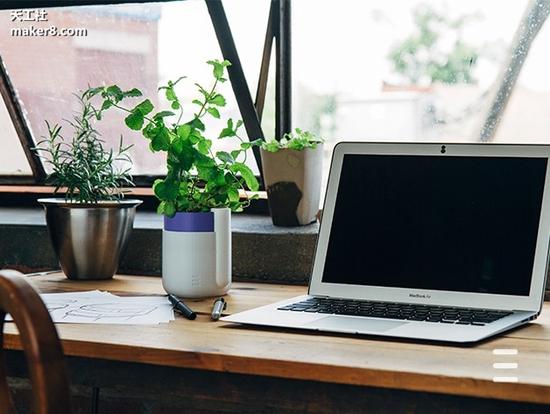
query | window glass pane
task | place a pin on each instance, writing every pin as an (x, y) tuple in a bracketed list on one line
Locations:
[(414, 71), (527, 116), (190, 45), (12, 157), (136, 45)]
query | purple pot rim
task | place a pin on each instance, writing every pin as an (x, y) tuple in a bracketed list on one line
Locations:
[(180, 213), (190, 222)]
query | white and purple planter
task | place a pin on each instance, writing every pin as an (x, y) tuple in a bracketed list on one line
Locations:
[(196, 253)]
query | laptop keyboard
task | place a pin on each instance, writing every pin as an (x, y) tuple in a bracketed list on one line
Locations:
[(403, 311)]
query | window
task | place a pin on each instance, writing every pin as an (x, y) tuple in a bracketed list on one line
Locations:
[(133, 45), (427, 70), (397, 70)]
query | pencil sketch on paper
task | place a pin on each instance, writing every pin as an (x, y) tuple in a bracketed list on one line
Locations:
[(111, 309), (106, 308), (53, 304), (99, 311), (57, 304)]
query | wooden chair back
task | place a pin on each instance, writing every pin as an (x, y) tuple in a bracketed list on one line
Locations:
[(41, 346)]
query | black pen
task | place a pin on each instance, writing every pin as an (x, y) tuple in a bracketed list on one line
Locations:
[(182, 307)]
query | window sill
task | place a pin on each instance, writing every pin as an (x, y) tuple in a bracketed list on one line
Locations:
[(261, 251)]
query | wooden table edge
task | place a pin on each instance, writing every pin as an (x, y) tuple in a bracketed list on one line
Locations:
[(307, 371)]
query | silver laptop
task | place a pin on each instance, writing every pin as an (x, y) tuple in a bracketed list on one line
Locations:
[(426, 241)]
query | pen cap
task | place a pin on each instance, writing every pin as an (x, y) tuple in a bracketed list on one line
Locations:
[(222, 229)]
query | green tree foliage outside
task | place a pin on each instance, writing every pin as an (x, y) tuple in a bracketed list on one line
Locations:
[(421, 58)]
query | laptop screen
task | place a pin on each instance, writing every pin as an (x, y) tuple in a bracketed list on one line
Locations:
[(464, 224)]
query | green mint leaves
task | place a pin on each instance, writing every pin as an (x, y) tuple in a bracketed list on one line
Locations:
[(137, 117), (298, 140), (197, 178)]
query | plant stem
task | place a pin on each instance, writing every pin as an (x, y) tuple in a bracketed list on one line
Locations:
[(200, 114), (129, 111)]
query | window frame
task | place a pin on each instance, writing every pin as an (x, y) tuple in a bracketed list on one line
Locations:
[(278, 30)]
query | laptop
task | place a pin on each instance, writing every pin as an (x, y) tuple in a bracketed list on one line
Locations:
[(443, 242)]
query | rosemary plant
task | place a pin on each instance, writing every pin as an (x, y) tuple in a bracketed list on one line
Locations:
[(83, 166)]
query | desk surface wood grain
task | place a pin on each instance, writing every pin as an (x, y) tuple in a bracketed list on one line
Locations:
[(225, 347)]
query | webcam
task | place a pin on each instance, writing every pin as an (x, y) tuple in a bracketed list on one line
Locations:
[(443, 149)]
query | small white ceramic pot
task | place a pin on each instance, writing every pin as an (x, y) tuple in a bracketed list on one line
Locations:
[(196, 254)]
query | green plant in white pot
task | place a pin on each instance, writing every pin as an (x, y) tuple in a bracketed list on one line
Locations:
[(292, 170), (201, 188), (90, 226)]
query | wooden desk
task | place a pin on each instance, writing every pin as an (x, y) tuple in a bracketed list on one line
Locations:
[(303, 372)]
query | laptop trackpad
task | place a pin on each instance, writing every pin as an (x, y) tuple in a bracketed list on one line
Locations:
[(354, 324)]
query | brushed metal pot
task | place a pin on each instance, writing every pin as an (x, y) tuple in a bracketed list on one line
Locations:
[(89, 239)]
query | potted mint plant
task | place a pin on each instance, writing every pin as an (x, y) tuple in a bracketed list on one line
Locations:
[(89, 227), (201, 188), (292, 171)]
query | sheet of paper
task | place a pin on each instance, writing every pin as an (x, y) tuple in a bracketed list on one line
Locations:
[(122, 310), (105, 308), (54, 301)]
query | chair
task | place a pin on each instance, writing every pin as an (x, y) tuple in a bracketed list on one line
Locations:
[(40, 344)]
